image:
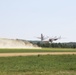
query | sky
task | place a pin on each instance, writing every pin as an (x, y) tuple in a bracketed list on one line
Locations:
[(27, 19)]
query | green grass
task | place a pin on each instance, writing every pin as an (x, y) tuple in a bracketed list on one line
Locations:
[(37, 50), (38, 65)]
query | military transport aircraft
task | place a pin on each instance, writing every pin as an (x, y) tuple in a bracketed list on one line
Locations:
[(50, 39)]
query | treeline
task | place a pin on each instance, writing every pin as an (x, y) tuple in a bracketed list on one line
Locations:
[(57, 45)]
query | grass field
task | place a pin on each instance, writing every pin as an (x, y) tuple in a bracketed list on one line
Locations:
[(37, 50), (38, 65)]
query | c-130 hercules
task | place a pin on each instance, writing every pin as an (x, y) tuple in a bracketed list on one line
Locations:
[(50, 40)]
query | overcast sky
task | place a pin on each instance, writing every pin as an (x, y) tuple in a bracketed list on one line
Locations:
[(26, 19)]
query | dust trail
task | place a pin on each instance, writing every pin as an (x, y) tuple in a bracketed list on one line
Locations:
[(16, 43)]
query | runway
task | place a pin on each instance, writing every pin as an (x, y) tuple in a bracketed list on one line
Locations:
[(35, 53)]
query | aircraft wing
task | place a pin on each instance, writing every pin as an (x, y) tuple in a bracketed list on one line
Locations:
[(39, 37)]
